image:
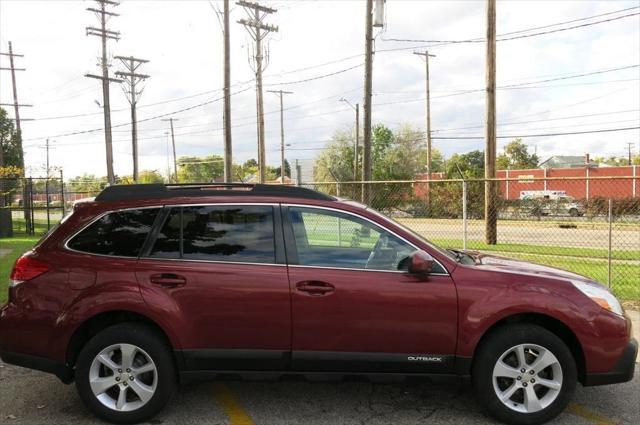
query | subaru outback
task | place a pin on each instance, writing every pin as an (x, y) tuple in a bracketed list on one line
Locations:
[(146, 286)]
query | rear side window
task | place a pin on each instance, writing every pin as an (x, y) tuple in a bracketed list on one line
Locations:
[(238, 233), (120, 233)]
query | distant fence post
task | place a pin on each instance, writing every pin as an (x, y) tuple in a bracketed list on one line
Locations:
[(62, 192), (609, 251), (32, 225), (46, 190), (464, 214)]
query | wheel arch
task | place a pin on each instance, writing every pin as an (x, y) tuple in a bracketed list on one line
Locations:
[(553, 325), (97, 323)]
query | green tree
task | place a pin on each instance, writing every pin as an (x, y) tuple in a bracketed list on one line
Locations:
[(192, 169), (9, 141), (86, 183), (144, 177), (471, 164), (287, 169), (617, 161), (516, 156)]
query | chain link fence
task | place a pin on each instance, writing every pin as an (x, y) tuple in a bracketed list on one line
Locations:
[(33, 205), (591, 227)]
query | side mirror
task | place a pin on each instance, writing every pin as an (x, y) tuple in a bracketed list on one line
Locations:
[(420, 263)]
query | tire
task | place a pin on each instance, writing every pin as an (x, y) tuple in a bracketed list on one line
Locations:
[(535, 396), (101, 373), (573, 212)]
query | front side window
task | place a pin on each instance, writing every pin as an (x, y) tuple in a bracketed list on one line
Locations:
[(329, 238), (235, 233), (119, 233)]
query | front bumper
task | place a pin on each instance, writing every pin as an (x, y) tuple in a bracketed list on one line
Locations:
[(623, 371)]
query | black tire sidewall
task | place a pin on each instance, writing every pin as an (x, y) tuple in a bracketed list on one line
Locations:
[(148, 340), (500, 341)]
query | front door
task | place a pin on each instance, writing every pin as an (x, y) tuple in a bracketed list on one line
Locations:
[(219, 271), (354, 307)]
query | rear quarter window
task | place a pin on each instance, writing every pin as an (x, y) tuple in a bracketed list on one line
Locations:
[(119, 233)]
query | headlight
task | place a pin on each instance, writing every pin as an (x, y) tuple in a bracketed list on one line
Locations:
[(600, 295)]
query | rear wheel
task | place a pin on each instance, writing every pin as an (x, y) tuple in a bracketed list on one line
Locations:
[(524, 374), (125, 374)]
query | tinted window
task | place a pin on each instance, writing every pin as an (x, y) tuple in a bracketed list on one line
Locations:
[(218, 233), (120, 233), (333, 239)]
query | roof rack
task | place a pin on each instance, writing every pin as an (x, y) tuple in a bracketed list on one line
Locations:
[(155, 191)]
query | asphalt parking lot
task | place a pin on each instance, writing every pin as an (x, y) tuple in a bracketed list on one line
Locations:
[(29, 397)]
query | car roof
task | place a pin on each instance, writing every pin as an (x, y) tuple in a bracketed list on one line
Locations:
[(135, 192)]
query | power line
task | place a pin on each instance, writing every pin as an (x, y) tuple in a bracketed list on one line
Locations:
[(540, 135), (73, 133), (482, 40)]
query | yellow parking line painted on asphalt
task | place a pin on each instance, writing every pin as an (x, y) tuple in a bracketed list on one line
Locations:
[(230, 405), (589, 415)]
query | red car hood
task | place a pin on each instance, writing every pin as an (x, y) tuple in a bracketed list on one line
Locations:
[(510, 265)]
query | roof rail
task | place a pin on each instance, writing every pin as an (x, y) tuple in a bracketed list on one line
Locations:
[(155, 191)]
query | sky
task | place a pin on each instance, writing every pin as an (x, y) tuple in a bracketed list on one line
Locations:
[(317, 54)]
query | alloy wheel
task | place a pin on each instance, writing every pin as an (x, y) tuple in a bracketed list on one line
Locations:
[(527, 378), (123, 377)]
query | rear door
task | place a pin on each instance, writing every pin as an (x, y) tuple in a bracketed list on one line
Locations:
[(219, 272), (355, 308)]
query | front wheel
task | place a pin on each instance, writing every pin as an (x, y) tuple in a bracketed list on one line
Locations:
[(125, 374), (524, 374)]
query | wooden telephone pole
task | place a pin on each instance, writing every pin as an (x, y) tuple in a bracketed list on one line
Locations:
[(228, 151), (16, 105), (366, 155), (104, 34), (490, 192), (130, 79), (173, 145), (258, 31), (427, 55), (282, 168)]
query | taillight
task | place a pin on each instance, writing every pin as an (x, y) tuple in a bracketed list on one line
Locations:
[(27, 268)]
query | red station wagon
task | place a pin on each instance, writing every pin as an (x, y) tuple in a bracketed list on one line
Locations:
[(149, 285)]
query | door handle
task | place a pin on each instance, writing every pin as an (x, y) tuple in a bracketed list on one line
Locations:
[(315, 287), (168, 280)]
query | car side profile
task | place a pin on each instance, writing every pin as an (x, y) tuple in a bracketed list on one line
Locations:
[(149, 285)]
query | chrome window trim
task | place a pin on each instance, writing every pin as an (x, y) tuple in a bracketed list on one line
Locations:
[(97, 218), (211, 261), (375, 224)]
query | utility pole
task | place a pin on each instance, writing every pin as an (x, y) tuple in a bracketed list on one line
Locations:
[(173, 144), (130, 79), (427, 55), (103, 15), (16, 108), (490, 192), (15, 104), (356, 108), (629, 147), (258, 31), (228, 151), (47, 147), (282, 168), (368, 47)]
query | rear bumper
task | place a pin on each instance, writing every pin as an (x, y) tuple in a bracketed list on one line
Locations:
[(623, 372), (63, 372)]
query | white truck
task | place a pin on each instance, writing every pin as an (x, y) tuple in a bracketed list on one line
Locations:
[(550, 202)]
